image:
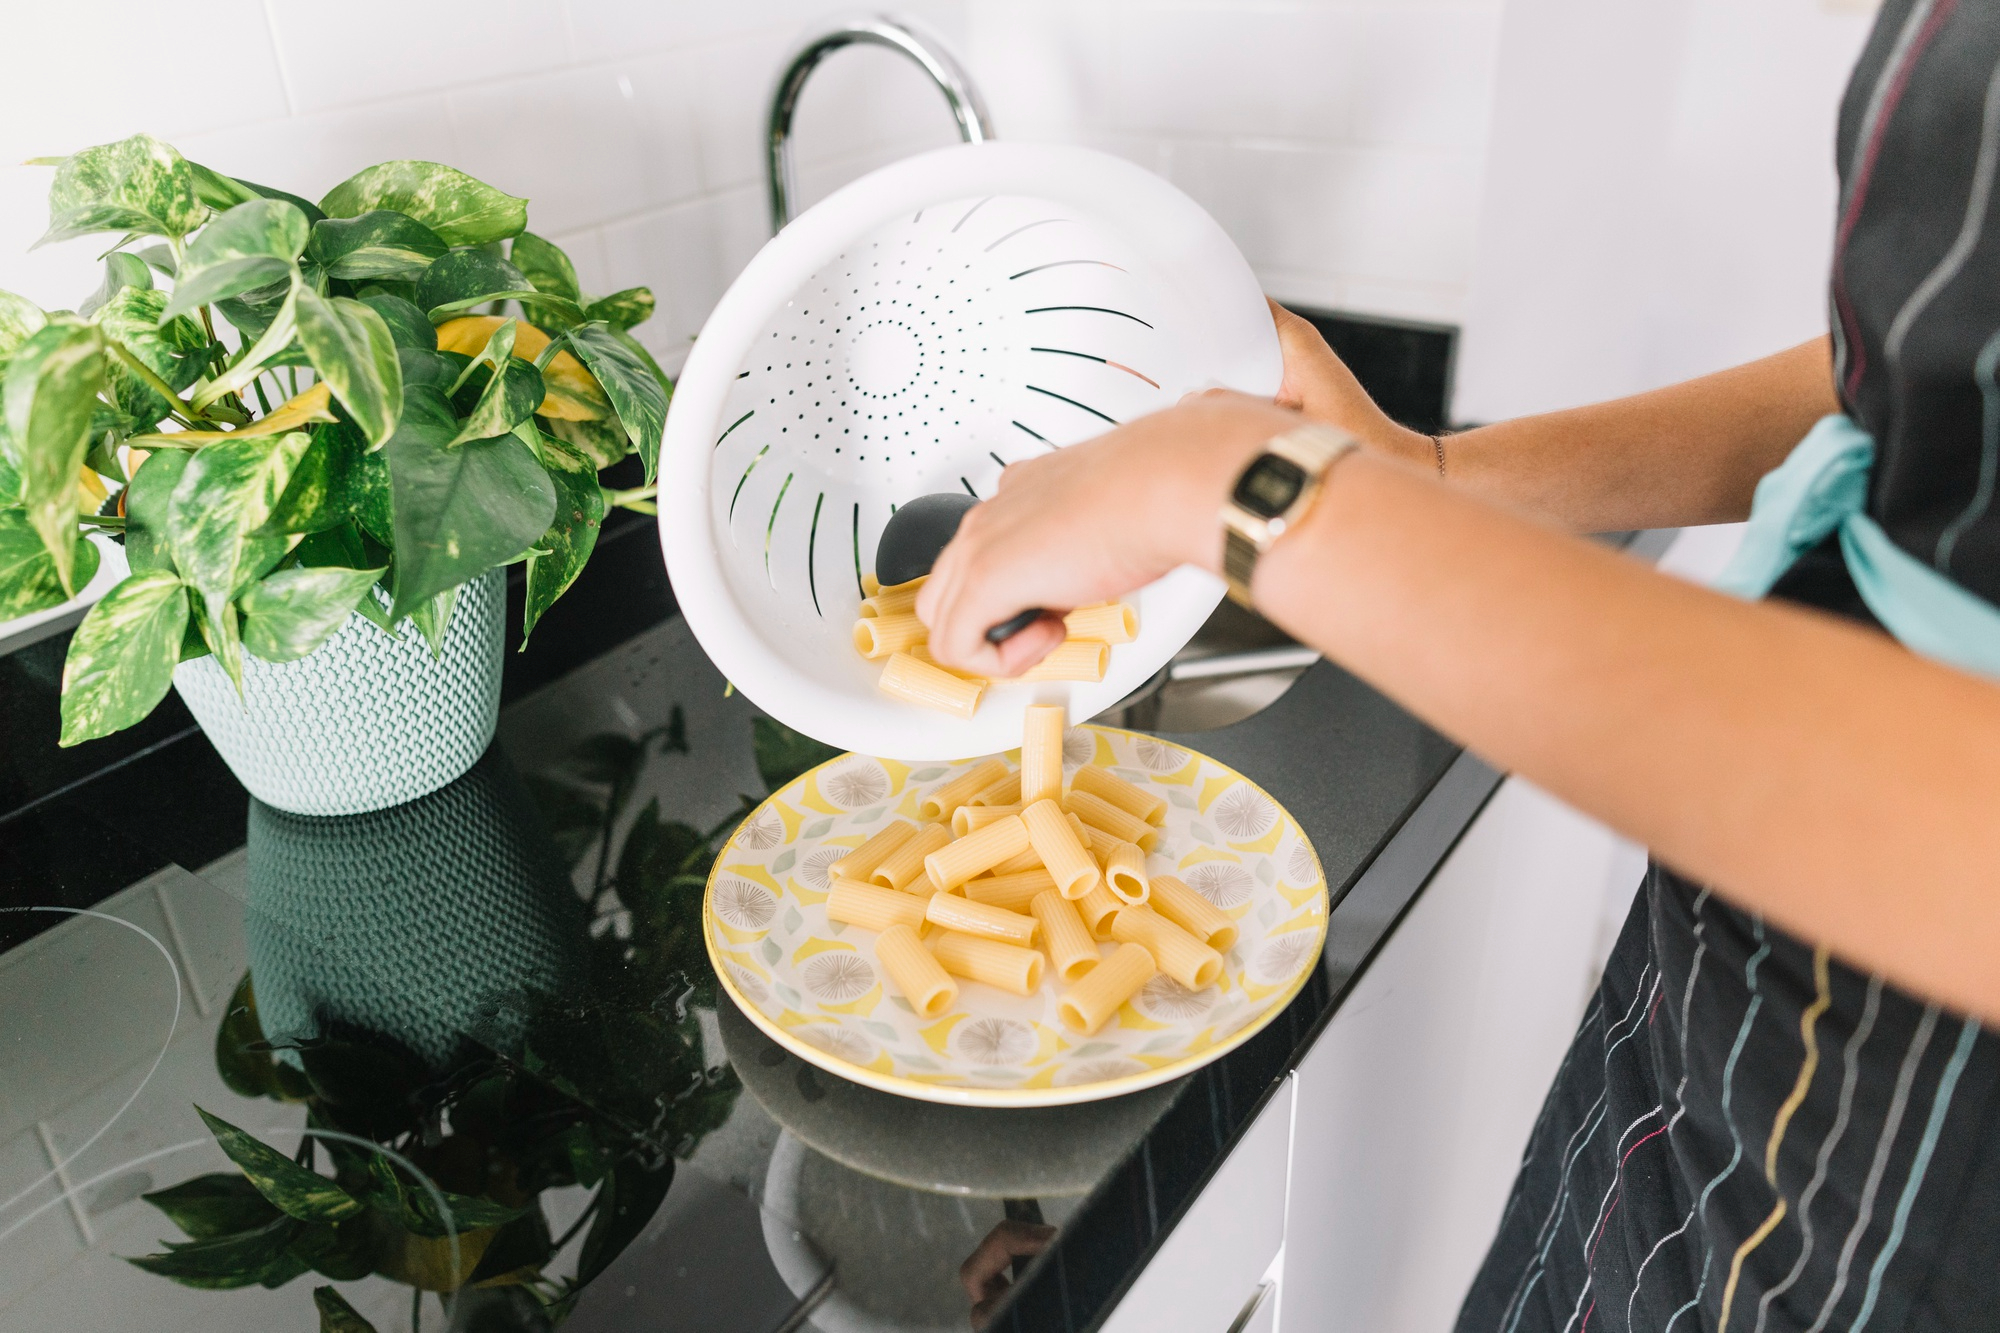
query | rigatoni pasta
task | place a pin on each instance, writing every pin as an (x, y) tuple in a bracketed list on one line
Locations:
[(1108, 786), (971, 818), (1101, 814), (915, 971), (976, 853), (899, 600), (1110, 622), (939, 803), (1007, 791), (1062, 853), (1125, 873), (1177, 953), (872, 907), (879, 636), (1071, 947), (917, 682), (1090, 1003), (1008, 966), (1072, 659), (903, 867), (1015, 865), (861, 862), (1013, 892), (1193, 913), (982, 919), (1041, 753), (1097, 908)]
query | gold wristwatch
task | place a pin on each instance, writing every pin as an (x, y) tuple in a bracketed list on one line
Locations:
[(1273, 494)]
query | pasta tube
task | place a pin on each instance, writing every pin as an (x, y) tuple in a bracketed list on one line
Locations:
[(869, 586), (1015, 865), (930, 686), (1090, 1003), (1041, 753), (1008, 966), (1062, 854), (878, 636), (939, 803), (1007, 791), (981, 919), (872, 907), (1112, 622), (896, 601), (1013, 892), (971, 818), (1191, 912), (976, 853), (1071, 948), (1073, 659), (1102, 782), (1096, 841), (1178, 954), (904, 866), (1125, 873), (1097, 908), (861, 862), (1101, 814), (914, 971)]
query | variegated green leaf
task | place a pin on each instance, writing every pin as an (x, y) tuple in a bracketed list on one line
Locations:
[(51, 390), (19, 318), (121, 270), (147, 546), (288, 614), (628, 382), (252, 245), (351, 349), (463, 279), (123, 656), (227, 1262), (336, 1315), (28, 578), (213, 1205), (433, 618), (381, 244), (276, 337), (136, 185), (545, 266), (174, 349), (297, 1192), (335, 480), (460, 209), (622, 310), (407, 325), (561, 552), (512, 393), (218, 191), (458, 511), (213, 520)]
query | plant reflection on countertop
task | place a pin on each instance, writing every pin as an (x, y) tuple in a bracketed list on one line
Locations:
[(437, 1175)]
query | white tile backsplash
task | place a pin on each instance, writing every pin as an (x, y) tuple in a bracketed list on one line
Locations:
[(1339, 141)]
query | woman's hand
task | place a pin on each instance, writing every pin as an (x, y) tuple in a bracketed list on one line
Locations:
[(1318, 383), (1089, 523)]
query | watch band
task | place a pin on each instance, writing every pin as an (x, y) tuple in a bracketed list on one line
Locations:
[(1246, 535)]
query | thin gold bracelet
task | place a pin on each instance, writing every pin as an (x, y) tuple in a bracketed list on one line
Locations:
[(1437, 443)]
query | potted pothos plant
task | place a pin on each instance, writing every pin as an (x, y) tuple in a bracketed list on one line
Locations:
[(317, 430)]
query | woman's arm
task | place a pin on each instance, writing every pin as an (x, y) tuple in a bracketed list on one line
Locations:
[(1676, 457), (1809, 769)]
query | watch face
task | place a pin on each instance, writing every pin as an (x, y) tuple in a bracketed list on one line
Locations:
[(1269, 486)]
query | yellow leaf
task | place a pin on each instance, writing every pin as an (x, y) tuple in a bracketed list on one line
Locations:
[(307, 407), (425, 1263), (572, 393)]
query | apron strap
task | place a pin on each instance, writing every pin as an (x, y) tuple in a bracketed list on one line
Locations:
[(1821, 487)]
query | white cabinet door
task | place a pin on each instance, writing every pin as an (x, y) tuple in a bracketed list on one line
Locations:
[(1215, 1258), (1414, 1105)]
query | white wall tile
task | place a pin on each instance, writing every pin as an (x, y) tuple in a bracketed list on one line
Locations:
[(734, 82), (1425, 78), (1220, 69), (368, 50), (309, 155)]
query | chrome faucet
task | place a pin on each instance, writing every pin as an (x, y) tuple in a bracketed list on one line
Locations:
[(974, 125)]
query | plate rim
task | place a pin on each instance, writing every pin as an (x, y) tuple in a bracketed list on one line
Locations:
[(1014, 1098)]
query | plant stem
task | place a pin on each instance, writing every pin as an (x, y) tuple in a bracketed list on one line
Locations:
[(154, 382), (589, 1211), (109, 522), (639, 499), (417, 1310)]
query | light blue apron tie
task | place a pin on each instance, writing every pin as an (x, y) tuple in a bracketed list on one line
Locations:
[(1823, 486)]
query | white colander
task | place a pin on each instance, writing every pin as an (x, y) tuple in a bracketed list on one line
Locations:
[(916, 332)]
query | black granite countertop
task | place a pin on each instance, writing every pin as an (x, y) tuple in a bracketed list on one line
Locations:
[(504, 982)]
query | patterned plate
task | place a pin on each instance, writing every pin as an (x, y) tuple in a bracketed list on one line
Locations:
[(814, 987)]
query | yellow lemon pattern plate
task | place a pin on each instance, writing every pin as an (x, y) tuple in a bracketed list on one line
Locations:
[(814, 985)]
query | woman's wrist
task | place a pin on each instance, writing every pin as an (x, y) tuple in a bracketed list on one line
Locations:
[(1218, 437)]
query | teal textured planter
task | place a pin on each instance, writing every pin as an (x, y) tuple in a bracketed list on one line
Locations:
[(367, 721)]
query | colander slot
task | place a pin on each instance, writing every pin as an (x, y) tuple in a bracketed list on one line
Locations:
[(1042, 439), (771, 526), (1018, 230), (968, 488), (859, 590), (1100, 309), (1071, 401), (1100, 360), (1064, 263), (744, 478), (998, 459), (734, 424), (812, 548), (970, 211)]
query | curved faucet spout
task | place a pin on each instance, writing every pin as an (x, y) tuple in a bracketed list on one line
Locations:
[(974, 124)]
